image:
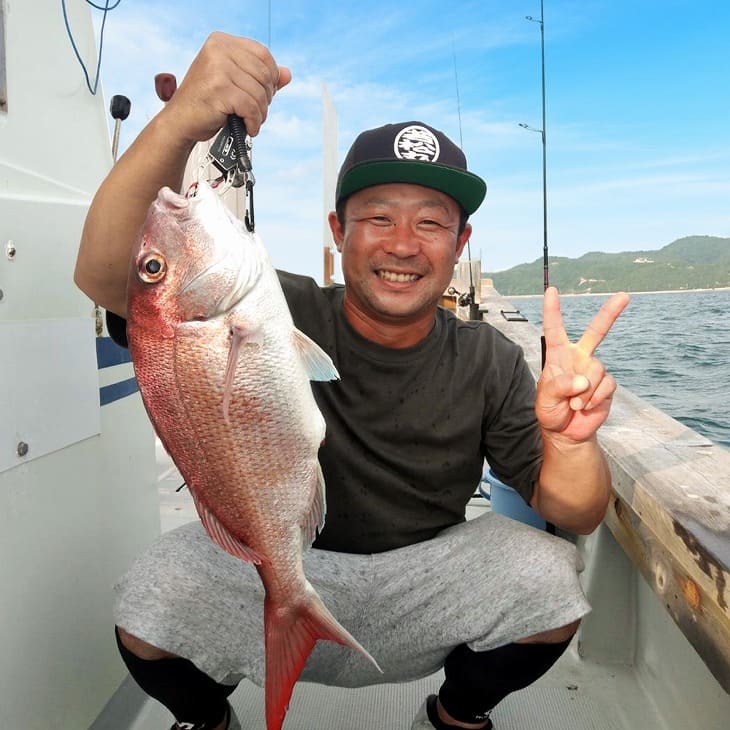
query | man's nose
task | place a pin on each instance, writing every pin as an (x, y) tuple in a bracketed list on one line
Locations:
[(402, 241)]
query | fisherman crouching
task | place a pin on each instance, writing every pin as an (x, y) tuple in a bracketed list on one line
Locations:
[(423, 399)]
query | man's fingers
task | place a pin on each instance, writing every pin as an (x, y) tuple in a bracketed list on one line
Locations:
[(594, 375), (598, 396), (603, 321), (255, 79), (230, 75), (574, 391), (285, 76), (561, 385), (552, 319), (604, 392)]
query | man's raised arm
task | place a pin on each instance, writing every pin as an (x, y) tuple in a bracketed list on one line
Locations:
[(574, 396), (230, 75)]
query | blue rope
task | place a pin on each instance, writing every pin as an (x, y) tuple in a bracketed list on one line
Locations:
[(110, 5)]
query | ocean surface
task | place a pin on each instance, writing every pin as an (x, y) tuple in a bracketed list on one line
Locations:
[(672, 349)]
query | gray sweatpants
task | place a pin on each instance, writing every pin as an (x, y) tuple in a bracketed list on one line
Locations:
[(486, 582)]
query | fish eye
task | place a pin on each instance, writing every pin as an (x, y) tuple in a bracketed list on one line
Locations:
[(152, 268)]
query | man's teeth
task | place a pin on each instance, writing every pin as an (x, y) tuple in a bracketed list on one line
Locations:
[(400, 278)]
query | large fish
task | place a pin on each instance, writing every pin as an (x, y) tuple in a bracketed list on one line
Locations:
[(224, 375)]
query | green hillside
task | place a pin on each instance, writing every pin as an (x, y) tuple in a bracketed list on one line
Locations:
[(694, 262)]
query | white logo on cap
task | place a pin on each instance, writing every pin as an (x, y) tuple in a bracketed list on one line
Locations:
[(416, 143)]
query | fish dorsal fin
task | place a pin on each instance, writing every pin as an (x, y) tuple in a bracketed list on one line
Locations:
[(315, 517), (221, 536), (317, 362)]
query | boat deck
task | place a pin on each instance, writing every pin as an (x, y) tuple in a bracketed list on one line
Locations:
[(576, 694)]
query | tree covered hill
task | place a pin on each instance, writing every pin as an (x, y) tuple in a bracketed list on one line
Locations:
[(694, 262)]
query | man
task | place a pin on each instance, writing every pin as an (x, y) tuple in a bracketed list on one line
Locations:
[(423, 399)]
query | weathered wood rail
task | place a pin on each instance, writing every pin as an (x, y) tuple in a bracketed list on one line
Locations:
[(670, 509)]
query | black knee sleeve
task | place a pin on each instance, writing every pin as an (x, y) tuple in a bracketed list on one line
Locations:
[(477, 681), (190, 695)]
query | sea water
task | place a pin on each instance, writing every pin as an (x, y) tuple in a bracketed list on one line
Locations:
[(670, 348)]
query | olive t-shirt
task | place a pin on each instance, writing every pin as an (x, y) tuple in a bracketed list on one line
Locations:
[(408, 429)]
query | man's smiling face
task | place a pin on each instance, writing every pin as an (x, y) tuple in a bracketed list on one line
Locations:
[(399, 244)]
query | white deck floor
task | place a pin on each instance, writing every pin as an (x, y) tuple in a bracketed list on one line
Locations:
[(573, 696)]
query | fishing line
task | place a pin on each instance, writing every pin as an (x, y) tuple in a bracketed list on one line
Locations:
[(458, 99), (472, 288), (269, 39), (110, 5)]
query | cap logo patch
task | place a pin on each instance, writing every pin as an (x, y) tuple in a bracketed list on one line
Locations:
[(416, 143)]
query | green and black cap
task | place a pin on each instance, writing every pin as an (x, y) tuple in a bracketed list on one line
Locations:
[(410, 152)]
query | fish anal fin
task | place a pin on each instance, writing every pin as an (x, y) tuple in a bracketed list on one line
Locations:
[(221, 536), (290, 637), (317, 363)]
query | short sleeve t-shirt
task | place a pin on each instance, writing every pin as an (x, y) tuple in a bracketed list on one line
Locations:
[(408, 429)]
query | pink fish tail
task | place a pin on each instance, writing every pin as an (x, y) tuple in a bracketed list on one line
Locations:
[(290, 638)]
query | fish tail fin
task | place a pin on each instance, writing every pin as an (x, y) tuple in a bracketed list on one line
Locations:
[(290, 638)]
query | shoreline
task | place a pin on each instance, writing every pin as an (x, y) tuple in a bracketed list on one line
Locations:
[(609, 293)]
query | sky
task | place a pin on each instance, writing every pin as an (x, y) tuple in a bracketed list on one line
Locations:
[(637, 109)]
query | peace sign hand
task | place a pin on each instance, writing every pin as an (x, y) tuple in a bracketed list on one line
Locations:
[(574, 391)]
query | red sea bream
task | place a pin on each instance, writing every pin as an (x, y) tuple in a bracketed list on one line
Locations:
[(224, 375)]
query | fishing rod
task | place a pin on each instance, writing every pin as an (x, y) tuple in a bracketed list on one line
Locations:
[(543, 134), (541, 22), (471, 298)]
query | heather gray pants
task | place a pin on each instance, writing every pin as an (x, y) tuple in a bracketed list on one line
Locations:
[(486, 582)]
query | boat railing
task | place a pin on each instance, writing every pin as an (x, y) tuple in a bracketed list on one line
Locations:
[(670, 508)]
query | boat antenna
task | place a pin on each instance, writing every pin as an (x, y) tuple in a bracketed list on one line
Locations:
[(473, 306)]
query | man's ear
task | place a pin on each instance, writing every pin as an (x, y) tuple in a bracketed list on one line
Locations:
[(336, 228), (462, 240)]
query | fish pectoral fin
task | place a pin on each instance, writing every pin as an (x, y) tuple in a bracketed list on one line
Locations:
[(317, 363), (240, 334), (221, 536)]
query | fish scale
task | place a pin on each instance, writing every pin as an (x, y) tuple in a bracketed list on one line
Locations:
[(224, 376)]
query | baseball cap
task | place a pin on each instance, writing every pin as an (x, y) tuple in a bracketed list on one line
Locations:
[(410, 152)]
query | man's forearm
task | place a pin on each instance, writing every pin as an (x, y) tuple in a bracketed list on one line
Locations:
[(574, 484), (119, 209)]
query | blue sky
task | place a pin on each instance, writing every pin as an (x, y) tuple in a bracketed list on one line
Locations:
[(638, 108)]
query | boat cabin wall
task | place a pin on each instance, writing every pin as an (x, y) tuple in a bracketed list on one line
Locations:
[(3, 80), (78, 493)]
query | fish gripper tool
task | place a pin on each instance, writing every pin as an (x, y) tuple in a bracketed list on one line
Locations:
[(230, 154)]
